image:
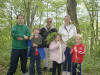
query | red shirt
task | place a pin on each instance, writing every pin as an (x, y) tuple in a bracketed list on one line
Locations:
[(77, 57)]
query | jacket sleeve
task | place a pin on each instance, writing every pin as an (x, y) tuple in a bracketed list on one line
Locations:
[(14, 34), (60, 30), (64, 47), (75, 31), (82, 51), (53, 46)]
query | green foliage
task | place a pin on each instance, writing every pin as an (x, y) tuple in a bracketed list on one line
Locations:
[(71, 42), (50, 37)]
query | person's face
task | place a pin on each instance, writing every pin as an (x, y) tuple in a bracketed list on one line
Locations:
[(49, 21), (20, 20), (58, 38), (77, 39), (36, 31), (67, 20)]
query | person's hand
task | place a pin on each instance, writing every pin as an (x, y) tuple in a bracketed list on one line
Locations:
[(19, 38), (25, 37), (75, 49), (35, 45), (31, 37)]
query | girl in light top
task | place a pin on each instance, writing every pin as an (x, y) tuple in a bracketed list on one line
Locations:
[(67, 31), (57, 49)]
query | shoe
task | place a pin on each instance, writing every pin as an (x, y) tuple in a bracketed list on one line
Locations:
[(68, 73), (64, 73), (45, 69), (51, 69), (26, 73)]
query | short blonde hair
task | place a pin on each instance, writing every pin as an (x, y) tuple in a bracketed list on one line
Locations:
[(78, 36)]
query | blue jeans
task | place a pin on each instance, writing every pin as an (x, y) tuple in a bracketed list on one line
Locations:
[(15, 55), (67, 64), (76, 66), (34, 59)]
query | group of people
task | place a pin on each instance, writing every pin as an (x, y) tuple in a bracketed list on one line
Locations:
[(66, 60)]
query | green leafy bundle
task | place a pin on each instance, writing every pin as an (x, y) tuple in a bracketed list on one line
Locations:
[(50, 37), (71, 42)]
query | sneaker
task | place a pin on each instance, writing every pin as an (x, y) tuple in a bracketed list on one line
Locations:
[(64, 73), (51, 69), (26, 73), (68, 73)]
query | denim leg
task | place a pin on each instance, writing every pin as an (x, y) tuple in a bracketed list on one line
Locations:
[(59, 68), (69, 57), (74, 65), (80, 69), (23, 59), (65, 62), (54, 68), (68, 60), (13, 61), (32, 66), (38, 64)]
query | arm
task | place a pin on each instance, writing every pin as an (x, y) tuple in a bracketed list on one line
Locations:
[(64, 47), (75, 31), (60, 30), (27, 35), (53, 46), (15, 35), (82, 51)]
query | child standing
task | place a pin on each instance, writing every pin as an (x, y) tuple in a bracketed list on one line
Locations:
[(77, 52), (36, 41), (57, 48)]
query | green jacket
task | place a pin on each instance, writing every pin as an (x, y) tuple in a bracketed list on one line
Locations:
[(19, 31)]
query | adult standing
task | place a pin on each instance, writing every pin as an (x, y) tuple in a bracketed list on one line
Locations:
[(44, 32), (68, 30), (20, 34)]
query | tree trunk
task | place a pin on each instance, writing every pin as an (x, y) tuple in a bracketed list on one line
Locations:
[(72, 12), (40, 19), (92, 31), (56, 17), (33, 15)]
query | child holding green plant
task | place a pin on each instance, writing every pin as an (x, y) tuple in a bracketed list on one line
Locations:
[(77, 52)]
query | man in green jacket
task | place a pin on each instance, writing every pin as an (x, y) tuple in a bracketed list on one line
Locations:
[(20, 34)]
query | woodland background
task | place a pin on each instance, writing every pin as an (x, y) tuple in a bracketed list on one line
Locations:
[(85, 14)]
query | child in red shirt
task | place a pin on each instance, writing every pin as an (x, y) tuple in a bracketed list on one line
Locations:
[(77, 52)]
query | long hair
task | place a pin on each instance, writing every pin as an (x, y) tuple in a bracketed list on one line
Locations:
[(60, 37)]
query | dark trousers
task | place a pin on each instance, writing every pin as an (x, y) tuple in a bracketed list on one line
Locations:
[(68, 60), (15, 55), (75, 67), (32, 65), (56, 66)]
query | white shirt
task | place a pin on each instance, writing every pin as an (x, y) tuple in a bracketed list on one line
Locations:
[(67, 32)]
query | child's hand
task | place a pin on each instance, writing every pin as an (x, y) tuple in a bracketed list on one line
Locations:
[(25, 37), (35, 45), (19, 38), (31, 37)]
